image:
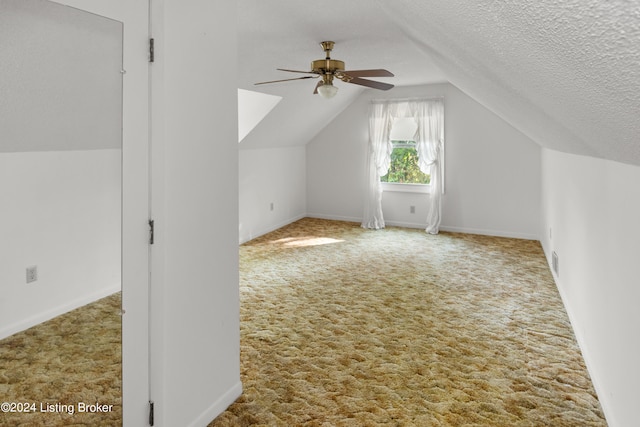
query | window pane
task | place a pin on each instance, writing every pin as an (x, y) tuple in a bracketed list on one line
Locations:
[(404, 168)]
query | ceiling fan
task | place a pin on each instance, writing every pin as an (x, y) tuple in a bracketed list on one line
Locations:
[(328, 69)]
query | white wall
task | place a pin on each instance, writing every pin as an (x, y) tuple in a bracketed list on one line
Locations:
[(62, 96), (195, 312), (60, 212), (492, 171), (61, 79), (590, 218), (275, 175)]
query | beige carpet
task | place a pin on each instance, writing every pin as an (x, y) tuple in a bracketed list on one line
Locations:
[(71, 360), (342, 326)]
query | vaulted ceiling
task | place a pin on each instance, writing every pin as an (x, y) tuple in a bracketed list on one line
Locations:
[(565, 72)]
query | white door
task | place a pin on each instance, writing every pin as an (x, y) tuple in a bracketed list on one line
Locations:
[(194, 296)]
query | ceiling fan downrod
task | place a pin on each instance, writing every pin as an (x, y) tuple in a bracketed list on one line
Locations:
[(327, 47), (327, 65)]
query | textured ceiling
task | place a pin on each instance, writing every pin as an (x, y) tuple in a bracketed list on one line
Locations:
[(565, 73)]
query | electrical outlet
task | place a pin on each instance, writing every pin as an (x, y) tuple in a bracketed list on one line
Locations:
[(32, 273), (271, 206), (412, 209)]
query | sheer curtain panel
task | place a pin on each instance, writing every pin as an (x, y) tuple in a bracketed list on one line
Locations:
[(379, 157), (429, 144)]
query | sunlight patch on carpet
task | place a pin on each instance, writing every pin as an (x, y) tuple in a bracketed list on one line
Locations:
[(298, 242)]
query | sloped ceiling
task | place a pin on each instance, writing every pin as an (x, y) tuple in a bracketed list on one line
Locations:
[(287, 34), (565, 73)]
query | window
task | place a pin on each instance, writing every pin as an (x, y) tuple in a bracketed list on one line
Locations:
[(403, 168), (253, 107), (412, 123), (404, 173)]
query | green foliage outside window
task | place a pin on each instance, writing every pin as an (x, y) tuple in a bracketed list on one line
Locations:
[(404, 167)]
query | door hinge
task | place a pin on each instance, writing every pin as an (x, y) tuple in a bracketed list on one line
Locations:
[(152, 52), (151, 412), (151, 231)]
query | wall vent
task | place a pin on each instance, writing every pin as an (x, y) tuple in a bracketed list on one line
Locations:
[(554, 263)]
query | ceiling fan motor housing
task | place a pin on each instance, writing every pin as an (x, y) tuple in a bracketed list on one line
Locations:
[(327, 66)]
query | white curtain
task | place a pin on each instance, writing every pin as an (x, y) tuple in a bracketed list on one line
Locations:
[(378, 160), (429, 116)]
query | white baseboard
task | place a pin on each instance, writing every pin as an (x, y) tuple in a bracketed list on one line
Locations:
[(219, 406), (497, 233), (595, 378), (23, 324), (466, 230), (250, 236), (335, 217)]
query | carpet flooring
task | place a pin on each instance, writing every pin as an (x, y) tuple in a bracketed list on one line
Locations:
[(66, 362), (342, 326)]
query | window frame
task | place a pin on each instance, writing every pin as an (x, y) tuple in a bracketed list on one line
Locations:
[(405, 187), (399, 187), (402, 187)]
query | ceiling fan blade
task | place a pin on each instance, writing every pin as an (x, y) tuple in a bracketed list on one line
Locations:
[(370, 83), (286, 80), (368, 73), (320, 83), (296, 71)]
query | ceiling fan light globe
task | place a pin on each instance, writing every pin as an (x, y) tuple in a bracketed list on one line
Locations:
[(327, 91)]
